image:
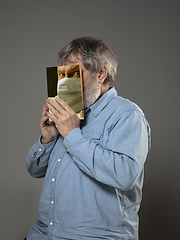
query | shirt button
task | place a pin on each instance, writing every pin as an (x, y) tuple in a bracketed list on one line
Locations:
[(59, 160), (53, 179), (68, 150), (52, 202), (40, 149), (51, 223)]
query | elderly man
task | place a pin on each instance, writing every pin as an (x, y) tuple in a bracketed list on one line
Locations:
[(92, 168)]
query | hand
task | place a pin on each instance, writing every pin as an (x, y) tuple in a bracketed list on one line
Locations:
[(64, 118), (47, 128)]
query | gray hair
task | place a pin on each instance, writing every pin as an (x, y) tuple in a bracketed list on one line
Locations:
[(93, 53)]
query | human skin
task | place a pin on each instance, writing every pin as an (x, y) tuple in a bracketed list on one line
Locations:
[(70, 71)]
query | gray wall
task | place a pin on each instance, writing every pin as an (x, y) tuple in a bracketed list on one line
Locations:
[(145, 37)]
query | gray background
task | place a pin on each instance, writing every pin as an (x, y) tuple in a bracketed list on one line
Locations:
[(145, 37)]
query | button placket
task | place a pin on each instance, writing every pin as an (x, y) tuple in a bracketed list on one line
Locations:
[(53, 186)]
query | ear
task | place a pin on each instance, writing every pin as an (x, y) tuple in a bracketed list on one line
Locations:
[(102, 74)]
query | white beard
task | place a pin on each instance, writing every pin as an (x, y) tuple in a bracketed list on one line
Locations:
[(92, 93)]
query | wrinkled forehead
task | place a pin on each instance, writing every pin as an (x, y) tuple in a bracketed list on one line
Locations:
[(70, 69)]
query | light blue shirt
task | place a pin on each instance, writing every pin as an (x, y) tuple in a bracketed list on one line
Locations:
[(93, 178)]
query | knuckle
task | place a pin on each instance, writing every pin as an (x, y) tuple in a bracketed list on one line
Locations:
[(68, 116)]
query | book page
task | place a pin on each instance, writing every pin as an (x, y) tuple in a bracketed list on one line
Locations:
[(65, 82)]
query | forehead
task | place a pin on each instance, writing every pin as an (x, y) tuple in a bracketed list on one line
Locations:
[(69, 68)]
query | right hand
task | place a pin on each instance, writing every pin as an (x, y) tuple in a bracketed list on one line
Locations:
[(47, 128)]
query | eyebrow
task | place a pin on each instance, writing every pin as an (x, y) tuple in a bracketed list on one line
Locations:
[(76, 67), (70, 69)]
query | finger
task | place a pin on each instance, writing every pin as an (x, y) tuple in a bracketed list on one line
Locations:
[(55, 107), (44, 118), (63, 105), (45, 108), (50, 115)]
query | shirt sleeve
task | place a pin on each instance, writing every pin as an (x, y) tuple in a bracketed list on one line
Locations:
[(119, 162), (38, 157)]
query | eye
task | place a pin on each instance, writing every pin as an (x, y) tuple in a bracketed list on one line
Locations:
[(77, 74), (61, 75)]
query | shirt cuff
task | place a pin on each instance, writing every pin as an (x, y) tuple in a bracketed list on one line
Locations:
[(73, 139), (44, 150)]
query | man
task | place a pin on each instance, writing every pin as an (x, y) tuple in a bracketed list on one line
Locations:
[(92, 168)]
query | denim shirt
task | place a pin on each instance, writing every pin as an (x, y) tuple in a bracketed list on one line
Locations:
[(93, 178)]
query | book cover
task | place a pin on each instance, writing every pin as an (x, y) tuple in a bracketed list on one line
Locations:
[(65, 82)]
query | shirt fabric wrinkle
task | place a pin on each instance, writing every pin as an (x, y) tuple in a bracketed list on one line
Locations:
[(93, 177)]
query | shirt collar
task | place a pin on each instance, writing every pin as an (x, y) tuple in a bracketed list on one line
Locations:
[(102, 102)]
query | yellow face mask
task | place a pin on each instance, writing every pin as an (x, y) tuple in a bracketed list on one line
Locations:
[(69, 90)]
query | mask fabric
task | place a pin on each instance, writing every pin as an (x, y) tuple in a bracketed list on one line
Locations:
[(69, 90)]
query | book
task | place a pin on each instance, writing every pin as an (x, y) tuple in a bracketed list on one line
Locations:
[(65, 82)]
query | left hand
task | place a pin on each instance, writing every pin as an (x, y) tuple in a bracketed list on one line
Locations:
[(64, 118)]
